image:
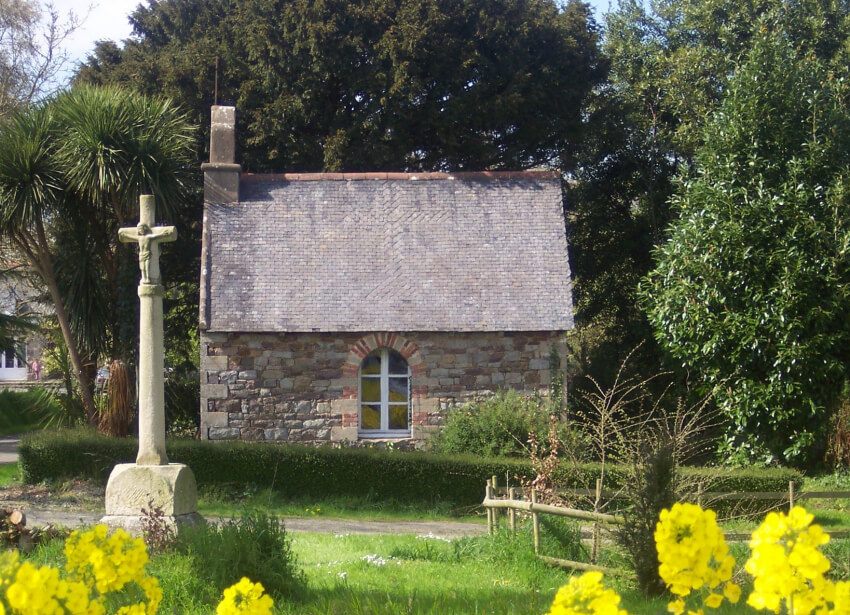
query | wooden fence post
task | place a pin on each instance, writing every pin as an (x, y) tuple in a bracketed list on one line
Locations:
[(495, 483), (594, 550), (535, 523), (511, 511), (488, 489), (790, 495)]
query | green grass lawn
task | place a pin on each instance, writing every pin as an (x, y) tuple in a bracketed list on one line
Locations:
[(406, 575), (8, 474), (231, 502)]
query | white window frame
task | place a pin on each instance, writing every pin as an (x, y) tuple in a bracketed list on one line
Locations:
[(17, 370), (384, 376)]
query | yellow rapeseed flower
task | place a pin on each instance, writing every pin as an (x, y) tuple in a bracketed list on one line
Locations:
[(787, 565), (245, 598), (693, 556), (585, 595)]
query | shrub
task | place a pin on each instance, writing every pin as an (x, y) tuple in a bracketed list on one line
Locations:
[(22, 411), (650, 491), (255, 546), (496, 426), (304, 471)]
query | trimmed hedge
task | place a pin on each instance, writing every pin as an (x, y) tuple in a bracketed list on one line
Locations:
[(289, 469), (321, 471)]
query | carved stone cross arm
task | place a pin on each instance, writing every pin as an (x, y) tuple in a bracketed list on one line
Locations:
[(148, 239)]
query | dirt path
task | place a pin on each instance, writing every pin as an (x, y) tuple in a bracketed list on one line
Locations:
[(443, 529), (9, 449)]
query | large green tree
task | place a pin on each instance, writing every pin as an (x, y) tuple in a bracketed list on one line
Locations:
[(670, 64), (752, 290), (372, 84)]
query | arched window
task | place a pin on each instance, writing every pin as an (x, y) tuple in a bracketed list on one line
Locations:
[(384, 394)]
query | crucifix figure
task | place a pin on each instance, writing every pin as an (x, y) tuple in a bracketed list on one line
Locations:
[(148, 239), (151, 338)]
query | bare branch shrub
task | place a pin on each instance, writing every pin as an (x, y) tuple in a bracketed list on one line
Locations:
[(157, 533), (648, 436), (838, 448)]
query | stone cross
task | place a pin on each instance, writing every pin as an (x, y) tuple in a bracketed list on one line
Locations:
[(151, 338)]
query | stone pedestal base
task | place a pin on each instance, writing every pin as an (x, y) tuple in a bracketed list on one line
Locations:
[(132, 487)]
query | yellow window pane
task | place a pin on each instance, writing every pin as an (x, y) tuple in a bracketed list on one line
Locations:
[(370, 417), (370, 390), (398, 417), (371, 365)]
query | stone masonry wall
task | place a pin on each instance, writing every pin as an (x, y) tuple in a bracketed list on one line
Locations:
[(303, 387)]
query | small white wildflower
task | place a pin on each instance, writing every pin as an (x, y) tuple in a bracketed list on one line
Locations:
[(342, 575), (374, 560), (433, 536)]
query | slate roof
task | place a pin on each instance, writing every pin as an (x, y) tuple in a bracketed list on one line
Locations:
[(389, 252)]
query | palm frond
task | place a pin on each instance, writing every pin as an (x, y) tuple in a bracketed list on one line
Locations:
[(30, 184), (118, 144)]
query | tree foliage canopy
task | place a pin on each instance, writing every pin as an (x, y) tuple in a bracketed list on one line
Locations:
[(670, 63), (752, 290), (372, 84)]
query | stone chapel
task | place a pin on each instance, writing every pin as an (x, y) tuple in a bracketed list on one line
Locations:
[(354, 306)]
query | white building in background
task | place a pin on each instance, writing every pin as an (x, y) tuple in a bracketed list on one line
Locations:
[(18, 297)]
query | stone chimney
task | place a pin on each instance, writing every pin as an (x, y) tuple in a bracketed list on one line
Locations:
[(221, 186), (221, 173)]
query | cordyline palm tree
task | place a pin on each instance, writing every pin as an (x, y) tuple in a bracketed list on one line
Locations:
[(115, 146), (71, 171), (32, 194)]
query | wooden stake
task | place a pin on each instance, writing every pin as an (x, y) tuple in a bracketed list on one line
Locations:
[(594, 550), (535, 523), (790, 495), (511, 511), (488, 488), (495, 483)]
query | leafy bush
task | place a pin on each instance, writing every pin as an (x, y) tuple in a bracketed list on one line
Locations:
[(651, 490), (496, 426), (18, 411), (255, 546), (36, 409), (305, 471), (750, 291)]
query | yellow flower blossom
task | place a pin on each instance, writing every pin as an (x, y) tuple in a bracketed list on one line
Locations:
[(585, 595), (106, 561), (693, 556), (245, 598), (787, 565), (40, 591)]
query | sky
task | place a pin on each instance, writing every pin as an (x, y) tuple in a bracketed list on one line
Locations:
[(107, 19)]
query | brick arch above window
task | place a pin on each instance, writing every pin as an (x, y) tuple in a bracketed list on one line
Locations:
[(366, 344)]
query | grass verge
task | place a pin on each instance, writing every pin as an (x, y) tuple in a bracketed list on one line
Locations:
[(409, 575), (9, 474), (231, 502)]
